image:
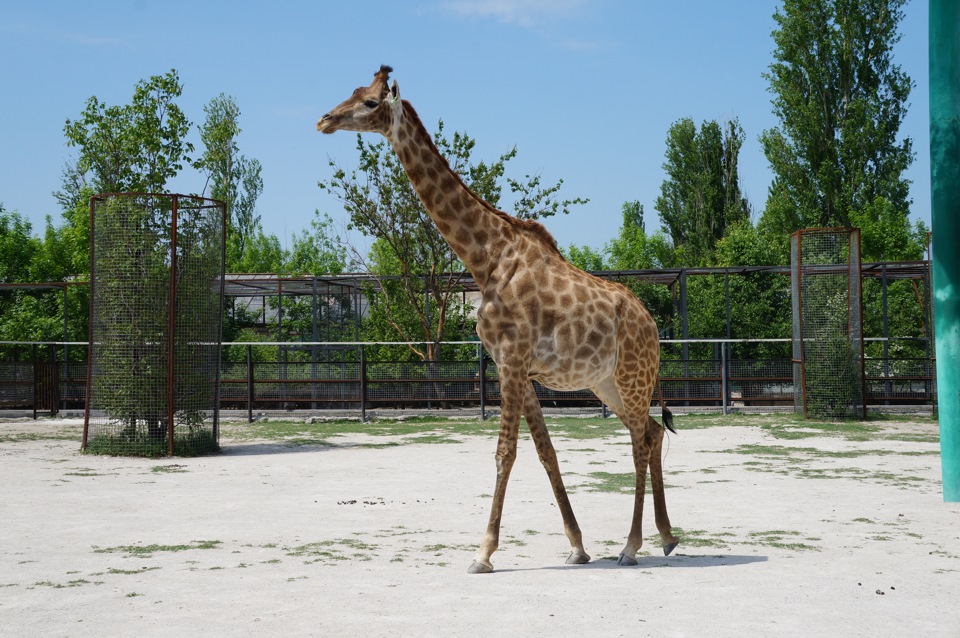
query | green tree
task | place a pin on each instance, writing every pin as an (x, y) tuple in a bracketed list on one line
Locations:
[(840, 100), (701, 195), (232, 177), (17, 247), (759, 301), (318, 251), (382, 204), (585, 257), (137, 147), (633, 249)]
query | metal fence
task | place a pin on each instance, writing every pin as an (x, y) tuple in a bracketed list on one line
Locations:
[(156, 299), (713, 380)]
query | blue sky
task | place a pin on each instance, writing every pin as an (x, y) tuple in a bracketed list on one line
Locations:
[(586, 90)]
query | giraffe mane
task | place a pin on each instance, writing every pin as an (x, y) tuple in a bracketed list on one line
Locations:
[(529, 226)]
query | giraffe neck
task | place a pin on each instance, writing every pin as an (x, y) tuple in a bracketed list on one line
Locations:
[(474, 229)]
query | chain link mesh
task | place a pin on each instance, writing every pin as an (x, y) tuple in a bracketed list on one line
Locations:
[(155, 308), (827, 323)]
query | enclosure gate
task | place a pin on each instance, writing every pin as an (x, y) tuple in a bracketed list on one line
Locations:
[(46, 387)]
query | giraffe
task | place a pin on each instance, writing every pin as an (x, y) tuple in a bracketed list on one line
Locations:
[(540, 318)]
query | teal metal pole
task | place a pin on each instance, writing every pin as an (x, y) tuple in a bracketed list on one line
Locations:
[(945, 217)]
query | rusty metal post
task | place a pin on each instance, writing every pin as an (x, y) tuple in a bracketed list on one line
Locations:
[(171, 327)]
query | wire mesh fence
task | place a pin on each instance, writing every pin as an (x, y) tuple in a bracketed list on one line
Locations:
[(828, 349), (155, 307), (721, 378)]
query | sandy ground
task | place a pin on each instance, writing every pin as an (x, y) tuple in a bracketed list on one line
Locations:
[(819, 536)]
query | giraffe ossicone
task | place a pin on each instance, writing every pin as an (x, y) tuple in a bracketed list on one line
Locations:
[(540, 318)]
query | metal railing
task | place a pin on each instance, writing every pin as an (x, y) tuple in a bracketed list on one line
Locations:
[(38, 379)]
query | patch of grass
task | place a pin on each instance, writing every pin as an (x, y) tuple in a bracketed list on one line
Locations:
[(319, 433), (696, 538), (169, 469), (147, 551), (440, 548), (613, 482), (186, 442), (20, 437), (134, 594), (143, 569), (783, 539), (618, 482), (72, 583), (780, 451), (334, 550)]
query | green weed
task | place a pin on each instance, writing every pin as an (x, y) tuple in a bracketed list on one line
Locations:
[(147, 551)]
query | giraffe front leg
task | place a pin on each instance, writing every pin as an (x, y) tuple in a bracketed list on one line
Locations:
[(548, 457), (512, 387)]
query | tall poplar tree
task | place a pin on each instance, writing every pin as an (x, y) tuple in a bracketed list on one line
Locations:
[(701, 195), (231, 177), (840, 99)]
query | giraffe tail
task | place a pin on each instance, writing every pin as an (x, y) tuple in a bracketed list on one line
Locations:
[(667, 414)]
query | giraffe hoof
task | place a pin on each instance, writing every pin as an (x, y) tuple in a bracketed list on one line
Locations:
[(480, 568), (578, 558), (626, 561), (669, 547)]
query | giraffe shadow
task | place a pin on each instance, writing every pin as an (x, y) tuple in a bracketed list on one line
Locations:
[(650, 562), (258, 449)]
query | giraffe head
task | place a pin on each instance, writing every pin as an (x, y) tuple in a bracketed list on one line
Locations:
[(370, 109)]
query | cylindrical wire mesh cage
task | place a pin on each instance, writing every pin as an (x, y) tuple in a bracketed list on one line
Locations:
[(828, 354), (156, 308)]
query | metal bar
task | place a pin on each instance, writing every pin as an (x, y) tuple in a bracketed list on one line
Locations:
[(92, 289), (886, 334), (316, 337), (35, 374), (249, 383), (171, 327), (945, 218), (724, 386), (65, 348), (221, 304), (803, 363), (855, 235), (363, 385)]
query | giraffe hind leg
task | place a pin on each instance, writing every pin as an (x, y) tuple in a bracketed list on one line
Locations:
[(655, 435)]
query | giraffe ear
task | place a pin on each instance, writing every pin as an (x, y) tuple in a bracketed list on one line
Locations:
[(395, 97)]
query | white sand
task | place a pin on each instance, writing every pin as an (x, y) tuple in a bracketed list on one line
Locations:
[(356, 540)]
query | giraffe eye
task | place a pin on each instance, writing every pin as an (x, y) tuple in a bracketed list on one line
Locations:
[(371, 104)]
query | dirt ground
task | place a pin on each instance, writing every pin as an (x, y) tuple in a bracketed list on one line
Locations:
[(785, 530)]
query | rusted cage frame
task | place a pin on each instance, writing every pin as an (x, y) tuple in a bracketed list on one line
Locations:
[(172, 307), (796, 274)]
